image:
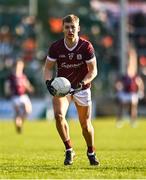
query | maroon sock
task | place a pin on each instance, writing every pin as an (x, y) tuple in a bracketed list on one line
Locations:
[(91, 149), (68, 144)]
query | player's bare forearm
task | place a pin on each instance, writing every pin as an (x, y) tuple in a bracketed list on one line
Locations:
[(140, 84), (29, 87), (89, 77), (92, 72), (48, 70)]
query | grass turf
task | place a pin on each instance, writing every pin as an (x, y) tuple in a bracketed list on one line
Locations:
[(39, 153)]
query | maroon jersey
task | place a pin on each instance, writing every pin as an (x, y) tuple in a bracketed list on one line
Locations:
[(72, 62), (17, 84), (130, 84)]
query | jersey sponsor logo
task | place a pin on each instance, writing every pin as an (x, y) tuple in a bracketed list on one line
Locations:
[(67, 66), (79, 56)]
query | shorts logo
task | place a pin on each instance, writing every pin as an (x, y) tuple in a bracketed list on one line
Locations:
[(79, 56)]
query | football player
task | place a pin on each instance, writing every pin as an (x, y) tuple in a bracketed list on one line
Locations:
[(130, 88), (17, 87), (75, 60)]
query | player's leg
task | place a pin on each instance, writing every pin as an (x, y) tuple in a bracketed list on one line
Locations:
[(60, 106), (119, 110), (26, 106), (83, 104), (134, 109), (122, 99), (133, 114), (84, 113), (123, 106), (18, 119), (17, 113), (22, 108)]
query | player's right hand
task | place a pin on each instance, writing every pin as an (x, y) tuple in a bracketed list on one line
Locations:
[(80, 86), (50, 88), (77, 89)]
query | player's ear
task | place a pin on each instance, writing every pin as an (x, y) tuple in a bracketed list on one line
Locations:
[(78, 28), (62, 27)]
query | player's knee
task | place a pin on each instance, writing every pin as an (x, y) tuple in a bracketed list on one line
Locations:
[(29, 110), (59, 117)]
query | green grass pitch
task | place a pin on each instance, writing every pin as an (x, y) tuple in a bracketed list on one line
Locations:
[(39, 153)]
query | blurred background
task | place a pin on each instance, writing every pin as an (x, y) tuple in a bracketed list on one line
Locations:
[(28, 27)]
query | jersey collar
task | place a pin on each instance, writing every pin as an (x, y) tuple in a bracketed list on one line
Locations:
[(71, 49)]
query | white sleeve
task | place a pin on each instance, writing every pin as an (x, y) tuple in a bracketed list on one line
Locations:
[(91, 60), (51, 59)]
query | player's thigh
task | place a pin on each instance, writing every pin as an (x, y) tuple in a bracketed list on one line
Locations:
[(83, 104), (16, 102), (17, 108), (134, 106), (83, 97), (26, 103), (60, 105)]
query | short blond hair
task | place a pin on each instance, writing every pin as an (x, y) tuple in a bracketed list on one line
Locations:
[(70, 18)]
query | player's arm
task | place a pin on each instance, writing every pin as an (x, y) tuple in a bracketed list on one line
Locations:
[(48, 69), (140, 85), (29, 86), (92, 71), (48, 76)]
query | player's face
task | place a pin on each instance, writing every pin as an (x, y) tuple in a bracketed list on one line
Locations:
[(71, 30)]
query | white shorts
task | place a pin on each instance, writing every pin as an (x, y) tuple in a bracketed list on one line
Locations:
[(83, 98), (128, 97), (20, 100)]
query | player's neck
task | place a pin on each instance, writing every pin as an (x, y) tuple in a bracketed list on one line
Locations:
[(71, 42)]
